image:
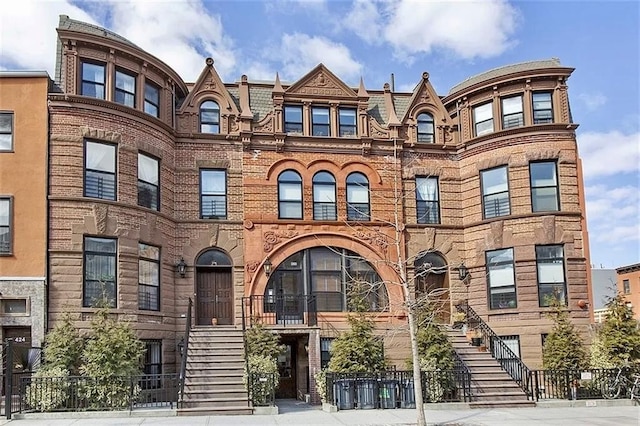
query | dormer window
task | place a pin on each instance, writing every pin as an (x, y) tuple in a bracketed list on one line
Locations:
[(320, 121), (209, 117), (426, 132), (293, 119)]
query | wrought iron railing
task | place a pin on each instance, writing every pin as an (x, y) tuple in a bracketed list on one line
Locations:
[(262, 388), (508, 360), (463, 379), (184, 350), (592, 383), (285, 310)]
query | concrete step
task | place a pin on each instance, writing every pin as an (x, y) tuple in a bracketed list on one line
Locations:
[(216, 402), (215, 358), (239, 410)]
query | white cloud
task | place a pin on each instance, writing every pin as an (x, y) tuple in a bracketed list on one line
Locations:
[(299, 53), (469, 29), (592, 101), (27, 33), (182, 33), (622, 153)]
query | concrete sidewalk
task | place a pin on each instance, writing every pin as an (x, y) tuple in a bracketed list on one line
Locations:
[(601, 413)]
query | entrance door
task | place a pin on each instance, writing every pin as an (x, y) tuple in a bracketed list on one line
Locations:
[(287, 370), (214, 296), (289, 300)]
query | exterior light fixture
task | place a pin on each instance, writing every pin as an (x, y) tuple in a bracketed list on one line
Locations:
[(463, 272), (266, 266), (181, 267), (180, 346)]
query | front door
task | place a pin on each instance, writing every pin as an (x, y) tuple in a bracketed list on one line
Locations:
[(214, 296), (287, 370)]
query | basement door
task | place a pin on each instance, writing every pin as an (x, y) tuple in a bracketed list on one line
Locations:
[(214, 296)]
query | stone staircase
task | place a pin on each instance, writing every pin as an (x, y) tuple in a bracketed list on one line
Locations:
[(491, 386), (213, 379)]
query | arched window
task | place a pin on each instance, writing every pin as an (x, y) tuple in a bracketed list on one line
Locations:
[(289, 195), (324, 196), (209, 117), (213, 257), (426, 132), (358, 197)]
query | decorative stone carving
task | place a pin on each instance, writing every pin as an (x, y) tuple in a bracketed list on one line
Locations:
[(494, 238), (373, 238), (265, 125), (251, 268), (377, 131), (100, 212), (272, 238), (215, 231)]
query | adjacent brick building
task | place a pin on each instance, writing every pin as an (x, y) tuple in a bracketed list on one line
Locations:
[(279, 198), (628, 285)]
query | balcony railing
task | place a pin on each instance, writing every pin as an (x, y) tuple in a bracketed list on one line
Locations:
[(283, 310)]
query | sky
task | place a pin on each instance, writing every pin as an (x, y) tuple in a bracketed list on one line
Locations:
[(372, 39)]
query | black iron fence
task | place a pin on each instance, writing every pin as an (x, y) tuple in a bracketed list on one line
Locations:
[(394, 389), (262, 388), (79, 393), (279, 310)]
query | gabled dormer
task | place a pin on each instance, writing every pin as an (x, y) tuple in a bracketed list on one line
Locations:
[(209, 108), (426, 119)]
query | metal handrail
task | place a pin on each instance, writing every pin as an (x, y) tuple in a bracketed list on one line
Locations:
[(508, 360), (465, 377), (246, 350), (183, 361)]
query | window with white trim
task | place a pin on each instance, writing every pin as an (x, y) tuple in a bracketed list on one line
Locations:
[(426, 129), (551, 275), (5, 226), (92, 80), (347, 122), (427, 203), (544, 186), (320, 124), (6, 131), (125, 89), (358, 207), (495, 192), (324, 196), (148, 182), (289, 195), (512, 112), (209, 117), (213, 194), (100, 170), (483, 119), (501, 280)]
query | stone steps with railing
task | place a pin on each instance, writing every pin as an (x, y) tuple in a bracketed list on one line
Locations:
[(214, 372)]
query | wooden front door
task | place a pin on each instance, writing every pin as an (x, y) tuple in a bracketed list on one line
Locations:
[(214, 293), (287, 369)]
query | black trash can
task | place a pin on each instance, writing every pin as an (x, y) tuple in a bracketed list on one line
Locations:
[(366, 394), (407, 394), (387, 393), (344, 394)]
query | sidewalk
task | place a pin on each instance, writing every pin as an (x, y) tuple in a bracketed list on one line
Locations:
[(601, 413)]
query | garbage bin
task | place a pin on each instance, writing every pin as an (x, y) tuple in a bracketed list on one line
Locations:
[(407, 394), (387, 393), (344, 393), (366, 393)]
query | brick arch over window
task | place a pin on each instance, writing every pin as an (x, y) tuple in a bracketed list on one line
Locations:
[(285, 164), (372, 254)]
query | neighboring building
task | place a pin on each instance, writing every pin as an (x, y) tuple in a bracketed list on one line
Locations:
[(278, 198), (628, 284), (603, 285), (23, 208)]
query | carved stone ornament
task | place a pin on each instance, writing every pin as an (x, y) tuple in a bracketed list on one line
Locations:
[(265, 125), (373, 238), (251, 268), (272, 238), (100, 212)]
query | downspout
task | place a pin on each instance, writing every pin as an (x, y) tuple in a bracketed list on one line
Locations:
[(48, 222)]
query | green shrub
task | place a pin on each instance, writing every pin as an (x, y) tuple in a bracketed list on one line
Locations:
[(265, 379), (321, 384), (619, 335), (563, 348), (263, 342), (357, 350), (63, 346), (49, 389)]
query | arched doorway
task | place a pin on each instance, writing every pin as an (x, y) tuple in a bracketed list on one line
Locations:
[(432, 285), (214, 288)]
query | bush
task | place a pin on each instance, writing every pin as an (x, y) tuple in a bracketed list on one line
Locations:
[(63, 346), (357, 350), (619, 335), (321, 384), (563, 348), (264, 380), (261, 341), (49, 389)]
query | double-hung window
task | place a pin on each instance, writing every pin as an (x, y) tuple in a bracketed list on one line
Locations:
[(551, 278), (148, 182), (213, 194), (347, 122), (626, 287), (99, 272), (324, 196), (512, 113), (209, 117), (544, 186), (426, 132), (501, 279), (495, 192), (289, 195), (148, 277), (100, 170), (5, 226), (325, 351), (125, 89), (358, 197), (6, 131), (293, 119), (151, 99), (152, 367), (93, 80), (542, 108), (427, 204), (320, 121), (483, 119)]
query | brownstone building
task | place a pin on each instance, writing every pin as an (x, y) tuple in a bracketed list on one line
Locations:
[(277, 197), (628, 285), (23, 209)]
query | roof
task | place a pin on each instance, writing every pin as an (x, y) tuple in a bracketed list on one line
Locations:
[(67, 23), (24, 74), (506, 70), (628, 268)]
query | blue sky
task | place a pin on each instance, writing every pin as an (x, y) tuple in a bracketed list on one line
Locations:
[(451, 40)]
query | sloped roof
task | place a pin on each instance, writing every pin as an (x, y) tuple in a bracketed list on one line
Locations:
[(67, 23), (506, 70)]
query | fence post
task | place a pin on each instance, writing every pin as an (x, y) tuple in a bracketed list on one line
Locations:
[(8, 383)]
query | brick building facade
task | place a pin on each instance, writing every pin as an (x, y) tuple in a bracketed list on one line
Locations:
[(279, 197)]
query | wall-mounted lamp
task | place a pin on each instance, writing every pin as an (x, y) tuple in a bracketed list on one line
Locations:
[(463, 272), (181, 267), (180, 346), (582, 304), (266, 266)]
